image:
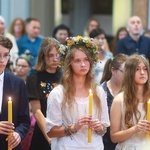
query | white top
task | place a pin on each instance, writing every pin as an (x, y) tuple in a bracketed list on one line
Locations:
[(56, 118), (1, 89), (98, 70), (137, 141)]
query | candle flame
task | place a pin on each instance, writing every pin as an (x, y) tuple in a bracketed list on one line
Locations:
[(9, 98), (90, 91)]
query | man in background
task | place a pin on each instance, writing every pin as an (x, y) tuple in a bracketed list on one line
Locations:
[(30, 42), (134, 42)]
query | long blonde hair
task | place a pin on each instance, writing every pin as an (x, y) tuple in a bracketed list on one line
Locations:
[(130, 89), (67, 79)]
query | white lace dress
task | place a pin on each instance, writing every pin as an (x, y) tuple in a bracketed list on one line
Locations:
[(55, 117), (138, 141)]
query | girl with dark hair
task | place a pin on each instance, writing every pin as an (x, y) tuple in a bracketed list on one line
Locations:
[(61, 32)]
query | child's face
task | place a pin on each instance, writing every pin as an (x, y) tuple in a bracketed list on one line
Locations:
[(100, 39), (141, 74)]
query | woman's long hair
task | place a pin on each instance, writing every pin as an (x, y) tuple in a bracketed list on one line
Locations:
[(11, 29), (115, 40), (47, 45), (114, 63), (130, 89), (86, 30), (67, 79)]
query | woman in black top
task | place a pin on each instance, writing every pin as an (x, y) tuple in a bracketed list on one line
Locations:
[(39, 85)]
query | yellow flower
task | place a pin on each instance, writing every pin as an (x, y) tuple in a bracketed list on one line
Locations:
[(89, 43), (70, 43), (43, 84), (79, 37)]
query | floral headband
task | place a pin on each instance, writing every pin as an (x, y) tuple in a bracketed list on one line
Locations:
[(87, 42)]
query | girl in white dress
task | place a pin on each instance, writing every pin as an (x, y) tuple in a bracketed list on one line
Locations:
[(128, 111), (67, 109)]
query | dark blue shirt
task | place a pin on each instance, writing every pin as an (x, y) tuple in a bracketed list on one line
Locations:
[(108, 144), (25, 44), (128, 46)]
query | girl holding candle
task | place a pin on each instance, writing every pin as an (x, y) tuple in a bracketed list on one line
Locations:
[(68, 117), (128, 110)]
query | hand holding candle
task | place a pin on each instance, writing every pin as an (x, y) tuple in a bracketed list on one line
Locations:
[(90, 112), (9, 115)]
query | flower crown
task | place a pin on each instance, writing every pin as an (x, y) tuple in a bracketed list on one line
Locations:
[(87, 42)]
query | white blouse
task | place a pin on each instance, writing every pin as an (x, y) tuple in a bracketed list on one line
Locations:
[(55, 117), (138, 141)]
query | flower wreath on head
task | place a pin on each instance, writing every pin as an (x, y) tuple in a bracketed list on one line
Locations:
[(87, 42)]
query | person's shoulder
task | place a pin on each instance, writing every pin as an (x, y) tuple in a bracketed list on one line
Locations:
[(118, 98), (13, 77), (38, 38), (23, 38), (32, 71), (127, 38), (108, 55), (33, 74), (99, 89), (9, 35), (104, 85), (58, 88), (145, 38), (57, 92)]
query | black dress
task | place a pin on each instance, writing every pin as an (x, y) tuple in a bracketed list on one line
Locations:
[(39, 85), (108, 144)]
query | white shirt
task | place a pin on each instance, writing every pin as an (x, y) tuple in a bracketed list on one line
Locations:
[(55, 117), (1, 89)]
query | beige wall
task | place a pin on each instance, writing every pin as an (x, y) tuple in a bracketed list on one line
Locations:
[(140, 8), (44, 11)]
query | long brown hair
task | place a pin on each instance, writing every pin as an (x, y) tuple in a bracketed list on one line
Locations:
[(115, 40), (47, 45), (86, 30), (67, 79), (130, 89), (11, 29)]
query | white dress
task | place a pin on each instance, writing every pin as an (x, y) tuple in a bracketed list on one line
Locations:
[(138, 141), (56, 118)]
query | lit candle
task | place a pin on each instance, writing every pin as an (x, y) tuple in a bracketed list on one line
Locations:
[(9, 115), (9, 109), (90, 112)]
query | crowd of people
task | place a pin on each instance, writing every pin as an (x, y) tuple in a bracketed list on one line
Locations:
[(49, 80)]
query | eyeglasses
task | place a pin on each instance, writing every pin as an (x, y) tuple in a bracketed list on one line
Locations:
[(6, 57), (51, 56), (23, 66), (120, 70)]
